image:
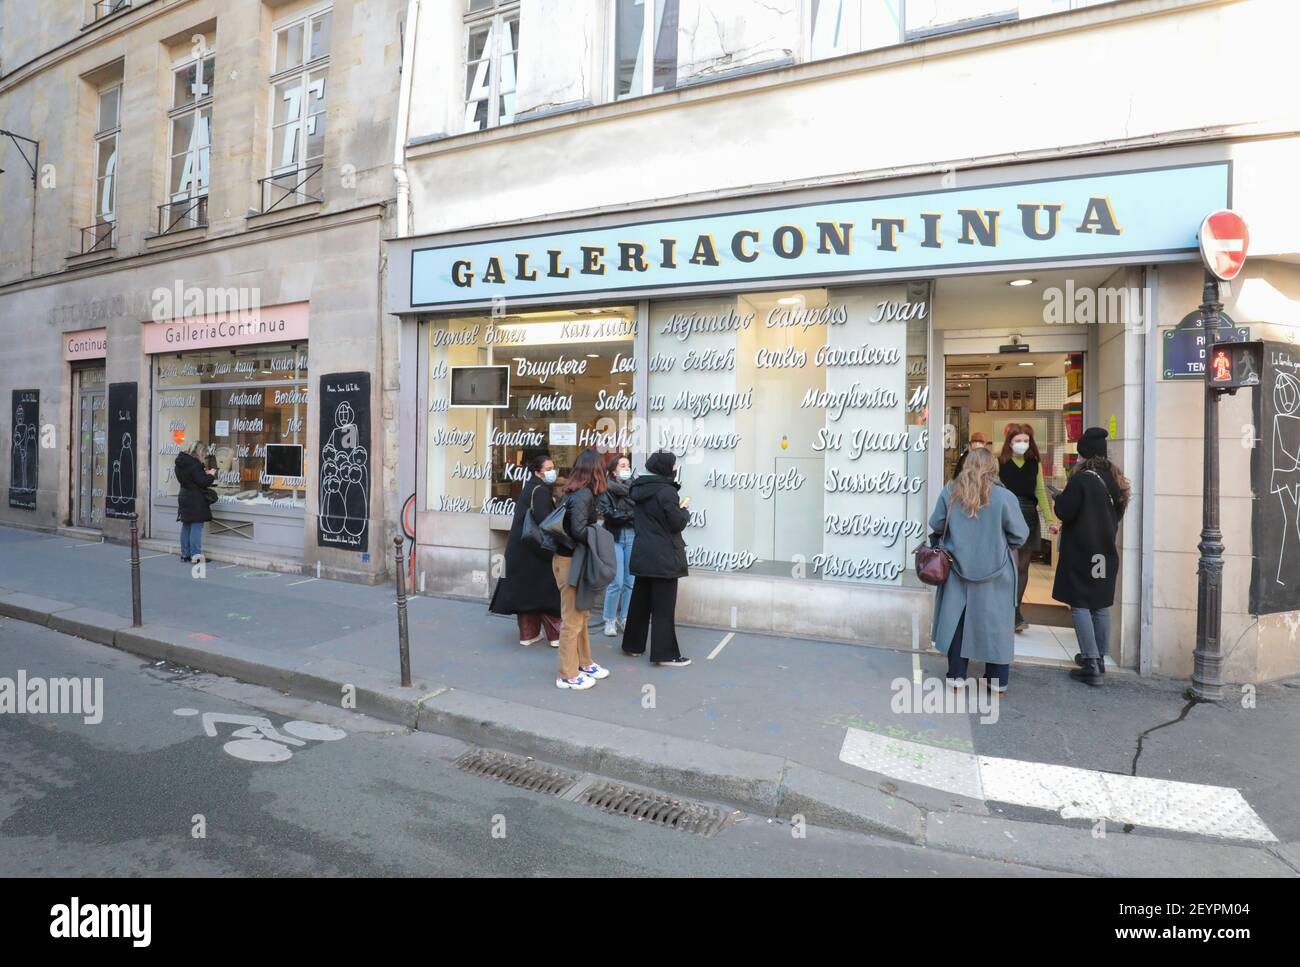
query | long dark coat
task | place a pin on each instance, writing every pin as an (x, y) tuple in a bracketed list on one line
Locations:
[(1089, 509), (659, 550), (191, 506), (528, 584), (982, 582)]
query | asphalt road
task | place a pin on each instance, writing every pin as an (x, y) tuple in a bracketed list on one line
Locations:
[(145, 792)]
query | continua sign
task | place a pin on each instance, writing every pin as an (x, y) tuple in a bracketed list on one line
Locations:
[(1125, 214)]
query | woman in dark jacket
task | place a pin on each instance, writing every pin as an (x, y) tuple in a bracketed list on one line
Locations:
[(1090, 508), (192, 506), (617, 508), (587, 481), (527, 590), (658, 559), (1021, 471)]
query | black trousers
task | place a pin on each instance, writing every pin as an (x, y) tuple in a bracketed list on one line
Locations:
[(654, 609), (958, 667)]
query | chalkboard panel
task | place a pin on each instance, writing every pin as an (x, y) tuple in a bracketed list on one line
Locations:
[(24, 449), (1275, 577), (343, 494), (123, 450)]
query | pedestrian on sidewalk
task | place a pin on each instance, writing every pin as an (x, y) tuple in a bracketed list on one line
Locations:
[(982, 526), (573, 568), (527, 588), (1021, 472), (1090, 507), (617, 508), (977, 441), (657, 561), (194, 502)]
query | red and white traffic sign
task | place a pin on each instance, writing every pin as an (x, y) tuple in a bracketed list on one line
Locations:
[(1224, 239)]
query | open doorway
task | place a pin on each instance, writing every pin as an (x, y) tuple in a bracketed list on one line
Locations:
[(984, 395)]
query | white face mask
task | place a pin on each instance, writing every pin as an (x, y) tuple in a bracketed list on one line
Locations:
[(625, 475), (1020, 449), (550, 476)]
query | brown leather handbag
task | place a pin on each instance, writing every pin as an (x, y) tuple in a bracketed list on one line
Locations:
[(934, 562)]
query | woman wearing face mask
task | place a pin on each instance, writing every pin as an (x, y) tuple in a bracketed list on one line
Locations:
[(527, 590), (617, 507), (1020, 470), (978, 441), (658, 560)]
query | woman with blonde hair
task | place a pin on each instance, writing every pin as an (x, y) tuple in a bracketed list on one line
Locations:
[(193, 504), (974, 610)]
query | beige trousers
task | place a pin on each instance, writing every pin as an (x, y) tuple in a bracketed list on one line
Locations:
[(575, 646)]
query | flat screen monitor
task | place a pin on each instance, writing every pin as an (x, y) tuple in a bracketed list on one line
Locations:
[(284, 459), (481, 386)]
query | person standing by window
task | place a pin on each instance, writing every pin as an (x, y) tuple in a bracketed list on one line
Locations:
[(527, 589), (1090, 507), (587, 481), (617, 507), (658, 561), (193, 508), (1021, 471), (983, 524)]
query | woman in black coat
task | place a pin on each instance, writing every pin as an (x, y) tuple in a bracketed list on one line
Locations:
[(658, 561), (193, 509), (1090, 508), (527, 590)]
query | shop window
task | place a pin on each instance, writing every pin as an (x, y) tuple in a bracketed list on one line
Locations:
[(190, 145), (491, 52), (249, 407), (800, 424), (570, 387), (300, 70), (645, 46)]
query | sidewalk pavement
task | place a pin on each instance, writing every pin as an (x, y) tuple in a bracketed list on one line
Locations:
[(757, 721)]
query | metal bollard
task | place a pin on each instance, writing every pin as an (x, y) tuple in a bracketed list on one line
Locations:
[(135, 571), (403, 639)]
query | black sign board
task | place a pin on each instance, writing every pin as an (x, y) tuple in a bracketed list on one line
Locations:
[(343, 494), (24, 449), (123, 450), (1275, 472)]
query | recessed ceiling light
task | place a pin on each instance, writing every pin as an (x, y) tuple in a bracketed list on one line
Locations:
[(790, 300), (1019, 282), (593, 355), (1024, 364)]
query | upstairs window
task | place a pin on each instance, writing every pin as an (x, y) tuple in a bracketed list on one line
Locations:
[(298, 84), (491, 52), (107, 129), (645, 46), (846, 26), (190, 149)]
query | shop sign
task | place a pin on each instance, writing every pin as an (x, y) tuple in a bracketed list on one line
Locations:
[(85, 344), (24, 449), (237, 327), (1275, 475), (1134, 214), (122, 449), (343, 520)]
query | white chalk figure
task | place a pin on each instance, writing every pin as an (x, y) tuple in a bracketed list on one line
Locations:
[(24, 453), (121, 488), (344, 480), (258, 740), (1285, 481)]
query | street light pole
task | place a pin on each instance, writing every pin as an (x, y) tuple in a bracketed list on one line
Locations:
[(1207, 672)]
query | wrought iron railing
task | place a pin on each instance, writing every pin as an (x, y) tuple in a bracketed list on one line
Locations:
[(289, 188), (176, 216), (104, 7), (100, 237)]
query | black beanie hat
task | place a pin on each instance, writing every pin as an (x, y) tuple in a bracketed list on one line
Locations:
[(1093, 442), (661, 462)]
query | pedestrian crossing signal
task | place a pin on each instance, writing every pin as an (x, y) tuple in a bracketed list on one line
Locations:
[(1234, 365)]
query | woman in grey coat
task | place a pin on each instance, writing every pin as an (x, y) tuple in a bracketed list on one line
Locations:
[(974, 610)]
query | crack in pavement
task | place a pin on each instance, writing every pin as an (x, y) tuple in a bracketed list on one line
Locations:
[(1133, 771)]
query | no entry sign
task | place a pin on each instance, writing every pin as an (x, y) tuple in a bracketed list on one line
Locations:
[(1224, 239)]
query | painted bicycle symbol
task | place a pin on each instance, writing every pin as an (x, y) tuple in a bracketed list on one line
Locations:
[(258, 740)]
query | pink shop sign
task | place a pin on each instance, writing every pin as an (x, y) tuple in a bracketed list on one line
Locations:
[(85, 344), (243, 327)]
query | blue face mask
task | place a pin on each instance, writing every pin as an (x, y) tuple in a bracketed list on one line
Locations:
[(550, 476), (625, 475)]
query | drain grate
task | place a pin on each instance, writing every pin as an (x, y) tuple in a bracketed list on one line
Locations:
[(516, 771), (655, 808)]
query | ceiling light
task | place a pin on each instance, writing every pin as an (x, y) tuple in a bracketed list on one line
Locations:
[(593, 355), (790, 300), (1019, 282), (1025, 364)]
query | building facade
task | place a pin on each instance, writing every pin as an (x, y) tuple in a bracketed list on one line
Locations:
[(197, 257), (813, 246)]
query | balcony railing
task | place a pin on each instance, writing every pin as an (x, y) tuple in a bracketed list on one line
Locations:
[(177, 216), (104, 7), (100, 237), (290, 188)]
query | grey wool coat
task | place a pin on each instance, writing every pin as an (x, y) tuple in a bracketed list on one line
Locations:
[(982, 582)]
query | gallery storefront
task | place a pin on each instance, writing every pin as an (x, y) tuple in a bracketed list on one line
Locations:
[(790, 349)]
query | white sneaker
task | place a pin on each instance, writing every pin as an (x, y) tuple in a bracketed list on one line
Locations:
[(530, 641), (555, 643), (577, 684), (611, 630), (594, 671)]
